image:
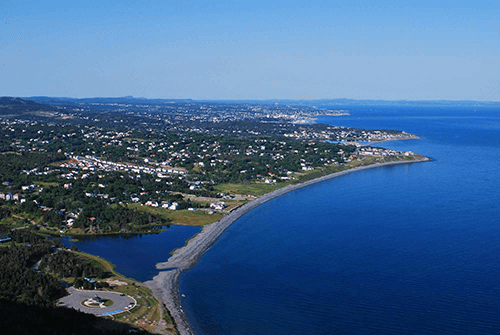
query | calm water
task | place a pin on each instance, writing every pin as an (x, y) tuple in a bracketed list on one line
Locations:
[(136, 255), (400, 250)]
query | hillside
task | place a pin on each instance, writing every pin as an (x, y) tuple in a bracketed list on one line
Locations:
[(10, 106)]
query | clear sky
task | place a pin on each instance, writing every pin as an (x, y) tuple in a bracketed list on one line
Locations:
[(222, 49)]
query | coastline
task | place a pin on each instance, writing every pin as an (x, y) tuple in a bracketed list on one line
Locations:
[(165, 285), (413, 137)]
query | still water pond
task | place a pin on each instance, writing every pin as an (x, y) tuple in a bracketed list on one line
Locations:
[(136, 255)]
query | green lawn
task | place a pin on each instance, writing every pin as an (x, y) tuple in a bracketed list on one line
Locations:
[(256, 189), (45, 184), (181, 217)]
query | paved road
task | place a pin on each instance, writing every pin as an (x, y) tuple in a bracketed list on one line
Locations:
[(75, 298)]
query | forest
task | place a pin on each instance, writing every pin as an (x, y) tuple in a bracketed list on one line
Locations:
[(18, 280), (65, 264), (28, 297)]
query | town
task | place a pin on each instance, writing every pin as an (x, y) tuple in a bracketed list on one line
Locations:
[(64, 170), (78, 168)]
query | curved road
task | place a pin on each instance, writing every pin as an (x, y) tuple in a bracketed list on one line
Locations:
[(74, 300)]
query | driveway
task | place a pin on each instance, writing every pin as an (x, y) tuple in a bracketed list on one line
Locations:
[(74, 300)]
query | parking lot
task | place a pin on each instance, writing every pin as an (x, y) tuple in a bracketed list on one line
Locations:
[(121, 302)]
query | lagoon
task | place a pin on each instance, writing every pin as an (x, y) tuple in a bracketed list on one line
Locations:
[(135, 255)]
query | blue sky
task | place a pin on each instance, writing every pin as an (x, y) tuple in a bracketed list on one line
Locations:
[(356, 49)]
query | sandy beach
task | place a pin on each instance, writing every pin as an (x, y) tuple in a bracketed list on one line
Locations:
[(165, 284)]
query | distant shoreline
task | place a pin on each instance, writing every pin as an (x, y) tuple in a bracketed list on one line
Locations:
[(165, 284)]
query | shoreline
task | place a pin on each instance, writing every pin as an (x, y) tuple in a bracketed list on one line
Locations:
[(165, 285), (414, 137)]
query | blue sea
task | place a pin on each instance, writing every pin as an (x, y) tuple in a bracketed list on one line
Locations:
[(407, 249), (411, 249)]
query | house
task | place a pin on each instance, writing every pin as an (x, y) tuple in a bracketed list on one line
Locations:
[(218, 205)]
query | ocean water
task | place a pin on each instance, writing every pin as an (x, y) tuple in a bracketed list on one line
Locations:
[(411, 249), (136, 255)]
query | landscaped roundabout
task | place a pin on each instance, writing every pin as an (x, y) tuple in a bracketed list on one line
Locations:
[(98, 302)]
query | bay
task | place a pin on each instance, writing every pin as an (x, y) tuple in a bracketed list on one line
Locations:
[(405, 249)]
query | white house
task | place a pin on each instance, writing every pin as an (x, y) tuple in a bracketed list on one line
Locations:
[(218, 205)]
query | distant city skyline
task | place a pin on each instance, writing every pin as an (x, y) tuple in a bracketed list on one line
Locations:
[(383, 50)]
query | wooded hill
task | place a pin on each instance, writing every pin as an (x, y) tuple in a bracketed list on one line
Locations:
[(18, 106)]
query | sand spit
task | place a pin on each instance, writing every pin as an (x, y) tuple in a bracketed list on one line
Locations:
[(165, 284)]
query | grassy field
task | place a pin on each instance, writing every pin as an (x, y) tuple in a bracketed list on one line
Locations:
[(181, 217), (256, 189), (20, 220), (135, 139), (319, 172), (12, 222), (44, 184), (194, 218), (147, 313), (230, 205)]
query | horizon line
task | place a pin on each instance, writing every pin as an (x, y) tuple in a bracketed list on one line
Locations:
[(265, 100)]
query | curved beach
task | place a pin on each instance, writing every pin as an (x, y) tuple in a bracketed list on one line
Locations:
[(165, 284)]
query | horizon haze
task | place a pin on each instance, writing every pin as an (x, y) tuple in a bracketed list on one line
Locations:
[(387, 50)]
